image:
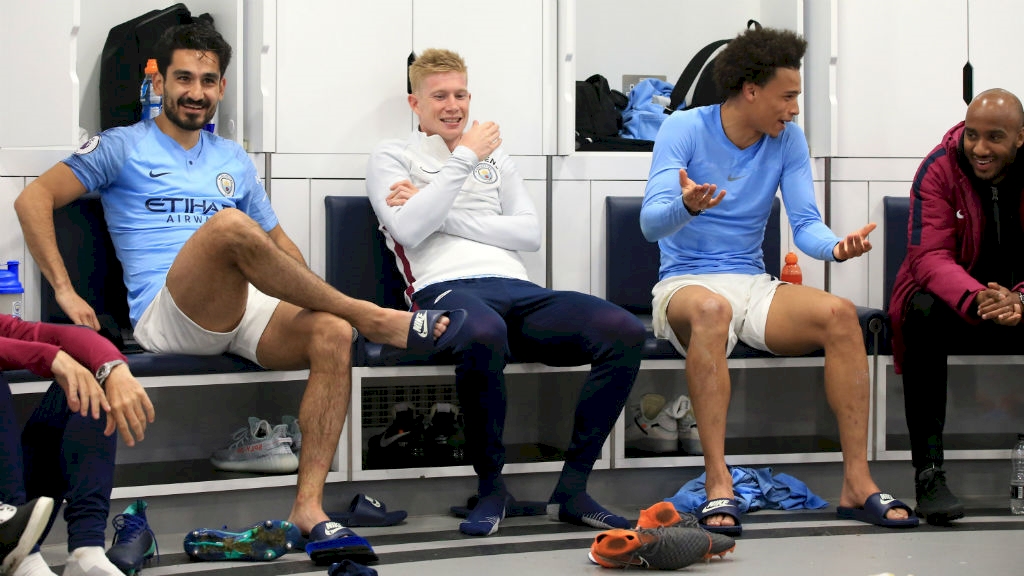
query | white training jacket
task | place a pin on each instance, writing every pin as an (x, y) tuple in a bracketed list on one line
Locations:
[(468, 219)]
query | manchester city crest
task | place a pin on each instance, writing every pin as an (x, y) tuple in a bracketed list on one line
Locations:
[(485, 173), (226, 184)]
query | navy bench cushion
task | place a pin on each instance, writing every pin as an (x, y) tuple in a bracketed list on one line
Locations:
[(96, 274), (632, 263)]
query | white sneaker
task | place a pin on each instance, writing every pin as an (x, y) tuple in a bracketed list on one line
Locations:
[(651, 428), (33, 565), (689, 438), (90, 561), (258, 448)]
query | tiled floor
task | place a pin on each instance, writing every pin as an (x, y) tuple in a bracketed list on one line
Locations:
[(989, 541)]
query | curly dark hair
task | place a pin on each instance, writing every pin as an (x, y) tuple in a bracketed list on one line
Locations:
[(199, 35), (754, 55)]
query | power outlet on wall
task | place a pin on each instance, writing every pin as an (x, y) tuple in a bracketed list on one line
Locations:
[(631, 80)]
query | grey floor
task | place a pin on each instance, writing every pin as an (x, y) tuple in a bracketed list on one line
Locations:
[(988, 541)]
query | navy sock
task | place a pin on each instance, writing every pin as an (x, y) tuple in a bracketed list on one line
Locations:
[(484, 518), (582, 510)]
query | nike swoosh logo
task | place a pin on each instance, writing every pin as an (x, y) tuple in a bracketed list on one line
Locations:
[(419, 324), (157, 174), (430, 171), (443, 294), (884, 499), (735, 178), (332, 528), (715, 504), (959, 215), (385, 442)]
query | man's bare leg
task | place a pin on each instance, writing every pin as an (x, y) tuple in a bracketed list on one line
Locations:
[(209, 276), (802, 319), (295, 339), (700, 320)]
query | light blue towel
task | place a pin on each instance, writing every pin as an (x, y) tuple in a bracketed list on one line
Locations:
[(755, 488)]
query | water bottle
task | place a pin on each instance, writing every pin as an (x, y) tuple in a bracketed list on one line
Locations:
[(1017, 477), (11, 292), (791, 271), (151, 103)]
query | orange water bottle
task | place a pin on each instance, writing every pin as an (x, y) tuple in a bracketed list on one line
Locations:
[(791, 271)]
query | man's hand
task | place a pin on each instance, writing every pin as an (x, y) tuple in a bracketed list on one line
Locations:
[(130, 410), (854, 244), (482, 139), (999, 305), (80, 386), (77, 309), (697, 197), (401, 192)]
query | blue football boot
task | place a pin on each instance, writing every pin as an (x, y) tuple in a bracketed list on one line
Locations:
[(267, 540), (134, 541)]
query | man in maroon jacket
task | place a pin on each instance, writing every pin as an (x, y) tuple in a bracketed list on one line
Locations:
[(961, 287), (67, 448)]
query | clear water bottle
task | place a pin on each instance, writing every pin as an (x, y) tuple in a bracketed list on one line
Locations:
[(1017, 477), (152, 104), (11, 293)]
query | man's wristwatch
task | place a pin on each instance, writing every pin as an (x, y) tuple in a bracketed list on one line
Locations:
[(104, 370)]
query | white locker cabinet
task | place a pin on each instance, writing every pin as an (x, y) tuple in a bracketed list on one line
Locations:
[(504, 45)]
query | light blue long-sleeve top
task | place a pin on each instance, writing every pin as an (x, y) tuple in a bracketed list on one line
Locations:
[(727, 239)]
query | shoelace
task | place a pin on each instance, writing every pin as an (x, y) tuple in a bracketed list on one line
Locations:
[(128, 527)]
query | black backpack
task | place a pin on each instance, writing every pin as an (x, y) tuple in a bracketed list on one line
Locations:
[(599, 118), (705, 92), (598, 108), (123, 62)]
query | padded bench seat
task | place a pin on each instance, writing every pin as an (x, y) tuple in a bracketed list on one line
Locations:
[(149, 365), (631, 270)]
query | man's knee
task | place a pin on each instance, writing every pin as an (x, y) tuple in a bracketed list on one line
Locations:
[(488, 335), (841, 320), (330, 336), (711, 315), (234, 228), (621, 326)]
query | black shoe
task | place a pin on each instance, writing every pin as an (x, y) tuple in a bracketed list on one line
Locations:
[(134, 542), (20, 529), (935, 503), (401, 444), (444, 436)]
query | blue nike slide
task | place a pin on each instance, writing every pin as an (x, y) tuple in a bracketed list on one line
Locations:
[(421, 332), (365, 511), (724, 507), (874, 510), (331, 542)]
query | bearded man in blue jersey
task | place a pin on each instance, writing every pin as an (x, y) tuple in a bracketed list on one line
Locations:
[(209, 268), (713, 289)]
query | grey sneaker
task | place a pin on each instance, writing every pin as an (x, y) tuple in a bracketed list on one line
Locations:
[(258, 448), (935, 503), (294, 432)]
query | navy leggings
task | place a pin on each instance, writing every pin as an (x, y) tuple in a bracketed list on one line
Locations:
[(534, 324), (931, 332), (61, 455)]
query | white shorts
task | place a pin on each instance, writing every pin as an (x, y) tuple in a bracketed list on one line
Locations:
[(749, 296), (165, 328)]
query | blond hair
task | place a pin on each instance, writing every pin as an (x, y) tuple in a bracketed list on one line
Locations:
[(434, 61)]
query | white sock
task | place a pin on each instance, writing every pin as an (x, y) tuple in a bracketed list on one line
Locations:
[(33, 565), (91, 561)]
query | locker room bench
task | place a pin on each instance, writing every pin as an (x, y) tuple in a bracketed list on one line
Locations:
[(96, 274), (631, 270), (970, 435), (359, 263)]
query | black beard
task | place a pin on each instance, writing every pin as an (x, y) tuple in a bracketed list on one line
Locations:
[(186, 124)]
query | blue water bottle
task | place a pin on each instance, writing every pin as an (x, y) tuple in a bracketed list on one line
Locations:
[(11, 292), (150, 101)]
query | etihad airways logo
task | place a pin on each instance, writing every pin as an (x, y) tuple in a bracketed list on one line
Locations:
[(184, 210)]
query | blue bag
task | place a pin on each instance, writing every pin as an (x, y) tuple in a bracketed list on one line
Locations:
[(646, 109)]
